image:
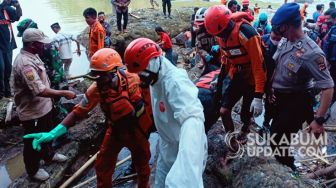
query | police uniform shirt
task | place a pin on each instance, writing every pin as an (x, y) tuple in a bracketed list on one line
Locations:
[(298, 64), (29, 80)]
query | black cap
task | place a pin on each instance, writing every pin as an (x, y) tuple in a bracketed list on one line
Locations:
[(55, 25)]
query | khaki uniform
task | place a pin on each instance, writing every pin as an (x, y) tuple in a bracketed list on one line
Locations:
[(29, 80)]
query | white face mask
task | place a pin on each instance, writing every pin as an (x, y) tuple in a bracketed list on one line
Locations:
[(274, 42)]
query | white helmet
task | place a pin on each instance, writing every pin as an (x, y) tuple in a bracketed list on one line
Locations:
[(200, 14)]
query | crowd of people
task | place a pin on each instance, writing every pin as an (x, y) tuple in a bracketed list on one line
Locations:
[(274, 65)]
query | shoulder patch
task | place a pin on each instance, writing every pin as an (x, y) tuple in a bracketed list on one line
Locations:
[(29, 74), (248, 31), (320, 61)]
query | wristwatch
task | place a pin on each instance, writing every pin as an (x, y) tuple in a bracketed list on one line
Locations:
[(320, 120)]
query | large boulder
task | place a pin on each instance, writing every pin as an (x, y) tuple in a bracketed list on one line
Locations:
[(144, 26), (245, 171)]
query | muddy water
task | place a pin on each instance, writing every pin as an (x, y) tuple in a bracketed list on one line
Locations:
[(12, 169)]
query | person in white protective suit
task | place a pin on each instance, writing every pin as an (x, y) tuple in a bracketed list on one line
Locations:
[(178, 116)]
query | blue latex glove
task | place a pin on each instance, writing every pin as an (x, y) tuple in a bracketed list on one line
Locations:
[(208, 58), (46, 136), (215, 48)]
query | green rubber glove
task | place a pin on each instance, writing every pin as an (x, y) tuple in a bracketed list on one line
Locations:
[(39, 138)]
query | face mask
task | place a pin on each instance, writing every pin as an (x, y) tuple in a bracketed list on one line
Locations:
[(147, 78), (151, 74), (108, 80), (274, 42)]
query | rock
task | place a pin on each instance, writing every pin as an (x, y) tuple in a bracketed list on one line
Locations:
[(145, 26), (3, 111), (245, 171)]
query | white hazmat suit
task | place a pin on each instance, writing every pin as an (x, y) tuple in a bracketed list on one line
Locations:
[(179, 119)]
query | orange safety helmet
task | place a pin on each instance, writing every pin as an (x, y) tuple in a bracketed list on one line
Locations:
[(139, 52), (216, 19), (105, 59)]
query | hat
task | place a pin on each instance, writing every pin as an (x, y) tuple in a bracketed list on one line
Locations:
[(287, 13), (32, 35), (55, 25), (245, 2), (24, 24)]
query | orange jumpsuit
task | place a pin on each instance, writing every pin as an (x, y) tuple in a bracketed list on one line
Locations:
[(125, 131), (96, 38), (242, 56)]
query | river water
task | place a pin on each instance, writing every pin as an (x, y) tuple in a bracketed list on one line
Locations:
[(69, 14)]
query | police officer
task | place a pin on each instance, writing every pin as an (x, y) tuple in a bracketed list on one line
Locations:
[(32, 96), (299, 61)]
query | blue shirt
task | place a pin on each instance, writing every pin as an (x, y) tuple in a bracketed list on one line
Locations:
[(316, 15)]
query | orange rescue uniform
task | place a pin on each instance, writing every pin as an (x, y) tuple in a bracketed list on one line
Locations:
[(244, 48), (96, 38), (125, 131)]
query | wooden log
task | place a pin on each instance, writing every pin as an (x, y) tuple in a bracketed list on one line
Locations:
[(134, 16), (322, 172), (79, 171), (94, 177)]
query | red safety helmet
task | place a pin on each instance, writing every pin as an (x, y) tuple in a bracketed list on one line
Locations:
[(217, 18), (139, 52), (245, 2), (105, 59)]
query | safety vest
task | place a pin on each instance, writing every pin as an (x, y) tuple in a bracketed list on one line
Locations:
[(233, 51), (126, 99), (205, 81), (116, 103)]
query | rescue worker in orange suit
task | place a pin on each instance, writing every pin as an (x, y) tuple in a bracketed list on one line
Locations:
[(242, 66), (97, 32), (119, 95), (303, 11), (249, 11), (206, 93)]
